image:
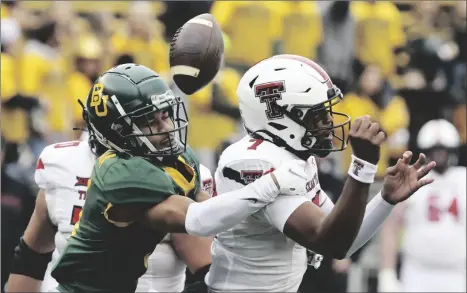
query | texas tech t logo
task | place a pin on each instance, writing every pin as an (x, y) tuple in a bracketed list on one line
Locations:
[(249, 176), (269, 93), (357, 166)]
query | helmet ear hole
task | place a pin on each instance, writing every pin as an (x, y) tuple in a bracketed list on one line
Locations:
[(306, 141), (297, 113)]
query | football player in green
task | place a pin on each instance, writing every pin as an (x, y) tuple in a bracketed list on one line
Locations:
[(144, 186)]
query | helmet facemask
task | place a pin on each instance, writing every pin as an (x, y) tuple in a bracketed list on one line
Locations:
[(319, 140), (137, 130), (317, 130)]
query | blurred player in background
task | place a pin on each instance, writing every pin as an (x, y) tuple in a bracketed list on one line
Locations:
[(433, 223), (286, 103)]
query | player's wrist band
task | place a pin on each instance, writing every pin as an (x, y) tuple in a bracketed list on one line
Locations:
[(28, 262), (362, 171)]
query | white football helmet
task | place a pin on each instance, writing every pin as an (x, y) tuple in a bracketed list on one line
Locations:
[(287, 99), (438, 133)]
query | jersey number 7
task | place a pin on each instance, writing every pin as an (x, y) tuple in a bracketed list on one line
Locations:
[(256, 142)]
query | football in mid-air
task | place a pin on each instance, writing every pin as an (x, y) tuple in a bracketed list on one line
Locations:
[(196, 53)]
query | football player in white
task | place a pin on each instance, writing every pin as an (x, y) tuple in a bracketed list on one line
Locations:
[(432, 221), (62, 174), (286, 106)]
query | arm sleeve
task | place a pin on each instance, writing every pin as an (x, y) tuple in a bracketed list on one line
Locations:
[(226, 210), (241, 186), (376, 212)]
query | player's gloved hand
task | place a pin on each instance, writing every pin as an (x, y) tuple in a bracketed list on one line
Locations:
[(387, 281), (291, 178), (196, 287), (366, 137), (314, 260)]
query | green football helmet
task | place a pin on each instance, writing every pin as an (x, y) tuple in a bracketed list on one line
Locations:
[(130, 109)]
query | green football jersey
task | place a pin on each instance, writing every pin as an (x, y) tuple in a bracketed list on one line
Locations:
[(107, 256)]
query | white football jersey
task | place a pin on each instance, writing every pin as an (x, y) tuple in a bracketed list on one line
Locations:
[(435, 221), (166, 270), (63, 171), (255, 256)]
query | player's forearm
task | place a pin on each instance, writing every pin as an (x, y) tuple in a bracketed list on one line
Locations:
[(195, 251), (226, 210), (376, 212), (21, 283), (339, 229)]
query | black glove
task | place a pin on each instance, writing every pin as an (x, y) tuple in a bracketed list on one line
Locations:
[(196, 287)]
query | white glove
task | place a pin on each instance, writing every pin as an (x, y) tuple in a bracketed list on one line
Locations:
[(314, 259), (292, 178), (387, 281)]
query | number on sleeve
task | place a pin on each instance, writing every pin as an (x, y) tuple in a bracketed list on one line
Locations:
[(75, 214), (256, 143), (76, 226)]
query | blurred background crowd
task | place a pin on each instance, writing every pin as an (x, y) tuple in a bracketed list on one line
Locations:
[(402, 62)]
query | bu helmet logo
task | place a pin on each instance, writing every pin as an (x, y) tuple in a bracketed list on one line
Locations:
[(269, 93)]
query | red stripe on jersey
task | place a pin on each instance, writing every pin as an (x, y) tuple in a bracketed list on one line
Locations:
[(315, 199), (40, 165)]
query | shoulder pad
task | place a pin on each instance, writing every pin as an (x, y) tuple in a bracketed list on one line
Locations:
[(132, 180), (50, 161), (253, 149)]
